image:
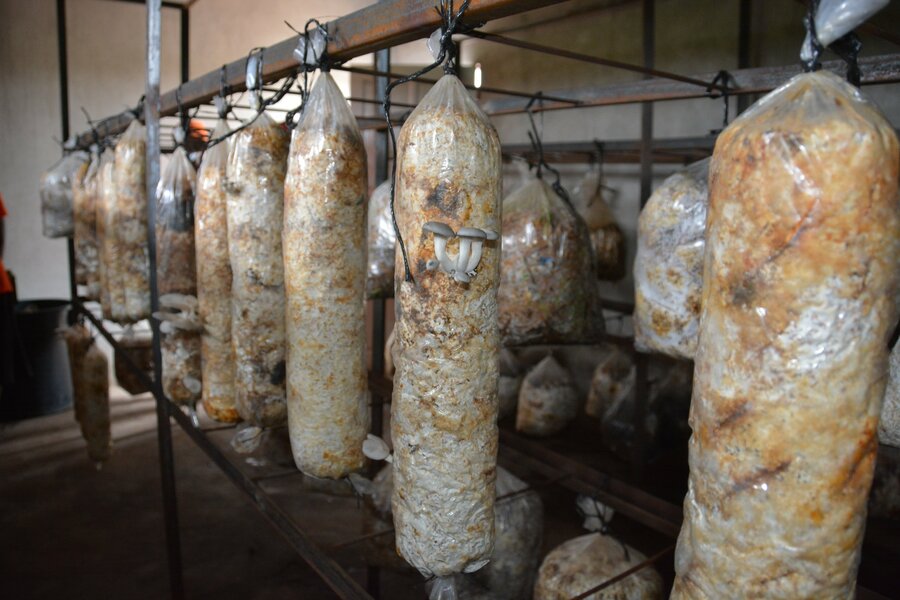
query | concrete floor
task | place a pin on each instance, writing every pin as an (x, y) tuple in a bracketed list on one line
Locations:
[(71, 531)]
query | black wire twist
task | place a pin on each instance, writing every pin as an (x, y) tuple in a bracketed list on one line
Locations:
[(809, 21), (450, 21), (722, 81), (320, 61), (847, 47)]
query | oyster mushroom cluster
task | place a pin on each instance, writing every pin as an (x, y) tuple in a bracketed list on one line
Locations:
[(471, 241)]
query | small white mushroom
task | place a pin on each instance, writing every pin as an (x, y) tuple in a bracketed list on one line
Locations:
[(477, 245), (376, 448), (442, 234), (468, 235)]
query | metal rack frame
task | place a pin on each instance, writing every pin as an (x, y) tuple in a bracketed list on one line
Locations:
[(377, 28)]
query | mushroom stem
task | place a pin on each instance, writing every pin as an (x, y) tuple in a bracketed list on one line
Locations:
[(440, 252), (475, 258), (465, 245)]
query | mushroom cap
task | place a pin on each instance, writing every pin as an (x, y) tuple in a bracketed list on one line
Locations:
[(461, 277), (375, 448), (490, 235), (438, 228), (471, 233)]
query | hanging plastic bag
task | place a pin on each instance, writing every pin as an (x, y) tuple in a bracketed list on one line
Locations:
[(176, 271), (87, 250), (112, 294), (591, 202), (444, 408), (325, 286), (214, 281), (802, 248), (56, 194), (668, 268), (255, 187), (583, 563), (546, 293), (836, 18), (510, 382), (128, 219), (889, 425), (547, 400), (382, 239), (611, 385), (180, 328), (78, 340), (95, 419)]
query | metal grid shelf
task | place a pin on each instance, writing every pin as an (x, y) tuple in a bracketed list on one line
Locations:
[(376, 28)]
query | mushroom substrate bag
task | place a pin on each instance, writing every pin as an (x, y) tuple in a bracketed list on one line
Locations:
[(381, 240), (78, 340), (889, 426), (444, 408), (112, 294), (607, 238), (176, 271), (95, 419), (87, 248), (546, 292), (548, 400), (668, 268), (800, 279), (324, 240), (611, 384), (128, 220), (255, 186), (510, 382), (56, 194), (582, 563), (214, 281)]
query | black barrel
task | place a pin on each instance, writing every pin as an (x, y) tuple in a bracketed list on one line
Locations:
[(43, 383)]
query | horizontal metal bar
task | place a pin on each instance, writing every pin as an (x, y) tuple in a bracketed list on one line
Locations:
[(875, 70), (671, 151), (605, 62), (375, 27), (489, 90)]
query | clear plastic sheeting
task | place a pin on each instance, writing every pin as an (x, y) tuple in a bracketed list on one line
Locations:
[(325, 280), (546, 291), (381, 240), (548, 400), (127, 223), (214, 281), (56, 194), (585, 562), (444, 409), (255, 186), (87, 248), (668, 269), (800, 277), (889, 426), (591, 200), (176, 271)]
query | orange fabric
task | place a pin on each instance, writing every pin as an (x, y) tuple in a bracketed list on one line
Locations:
[(5, 283)]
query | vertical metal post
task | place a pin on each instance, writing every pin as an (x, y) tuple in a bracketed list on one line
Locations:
[(164, 430), (744, 23), (642, 391), (383, 64), (64, 122), (185, 44)]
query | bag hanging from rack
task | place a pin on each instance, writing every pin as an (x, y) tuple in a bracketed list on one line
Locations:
[(325, 282), (87, 250), (548, 400), (444, 408), (382, 241), (56, 194), (889, 425), (548, 292), (112, 294), (800, 275), (591, 200), (668, 268), (214, 281), (255, 189), (128, 219)]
